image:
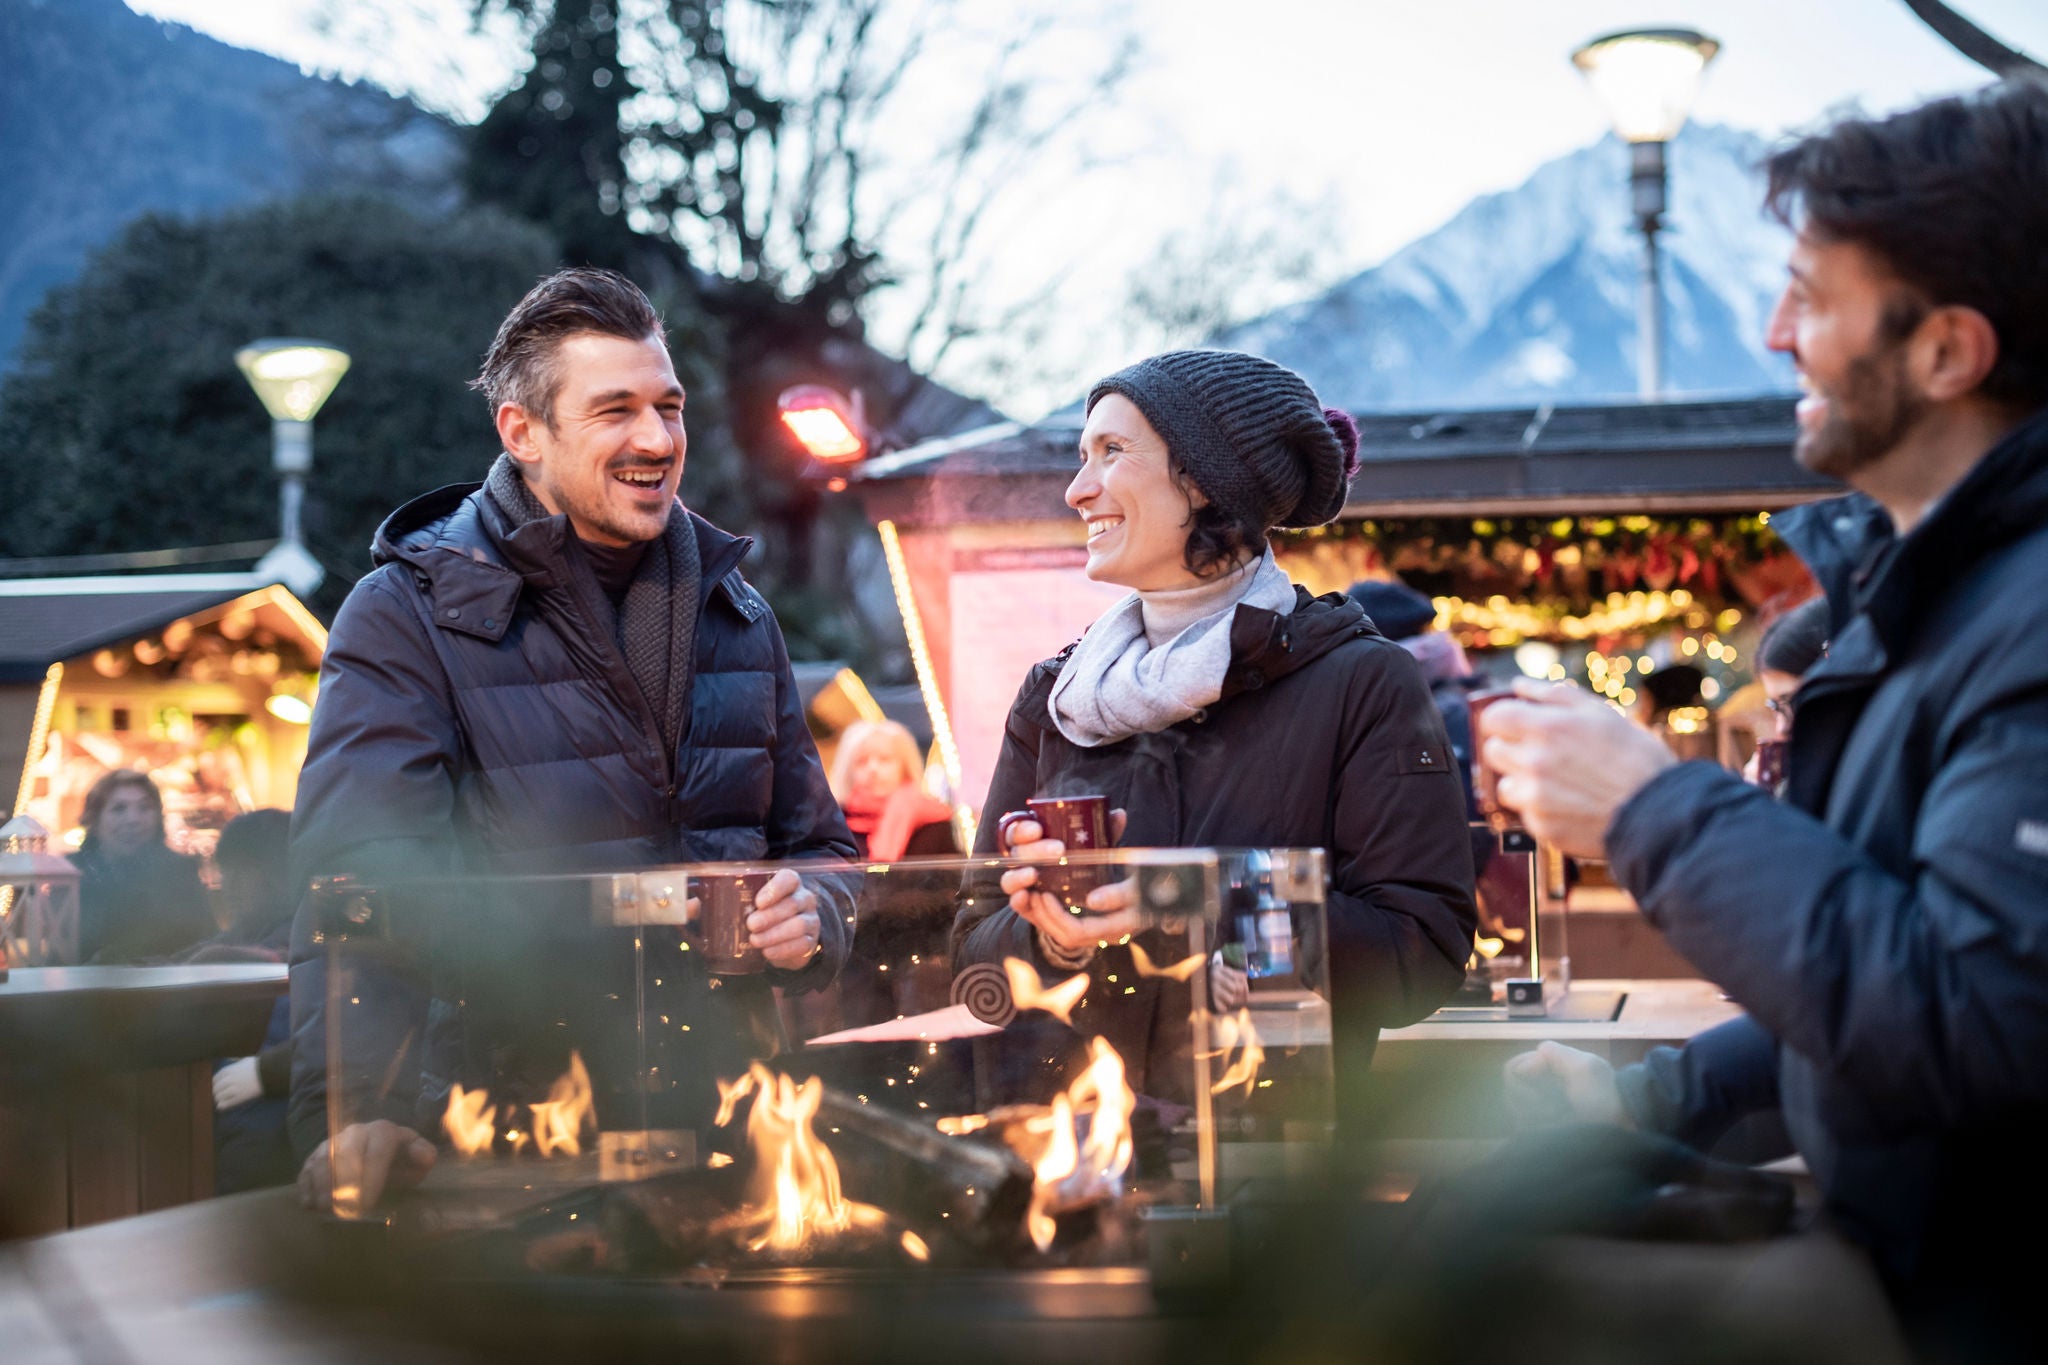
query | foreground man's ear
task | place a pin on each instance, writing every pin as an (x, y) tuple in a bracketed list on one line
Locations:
[(1954, 348)]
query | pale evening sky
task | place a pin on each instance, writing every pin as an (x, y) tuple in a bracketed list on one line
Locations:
[(1390, 114)]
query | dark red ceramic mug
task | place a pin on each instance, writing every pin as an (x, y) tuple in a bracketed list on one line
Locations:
[(1081, 823), (1485, 781), (724, 904), (1770, 764)]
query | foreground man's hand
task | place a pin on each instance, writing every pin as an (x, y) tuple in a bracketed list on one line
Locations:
[(1559, 1084), (1066, 936), (366, 1161), (1567, 762), (784, 922)]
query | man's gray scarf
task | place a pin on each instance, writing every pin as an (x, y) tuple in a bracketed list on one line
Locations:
[(656, 625), (1119, 683)]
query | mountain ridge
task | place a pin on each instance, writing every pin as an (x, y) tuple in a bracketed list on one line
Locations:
[(1529, 294), (108, 114)]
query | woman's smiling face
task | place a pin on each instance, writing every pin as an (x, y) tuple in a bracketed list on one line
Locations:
[(1138, 515)]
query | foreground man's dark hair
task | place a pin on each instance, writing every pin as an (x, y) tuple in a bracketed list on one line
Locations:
[(521, 364), (1953, 197)]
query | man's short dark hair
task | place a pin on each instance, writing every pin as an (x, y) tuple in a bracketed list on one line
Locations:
[(1953, 198), (521, 366)]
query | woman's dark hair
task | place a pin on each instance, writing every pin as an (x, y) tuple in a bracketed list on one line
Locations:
[(523, 366), (104, 790), (1795, 641), (1953, 197), (1217, 539)]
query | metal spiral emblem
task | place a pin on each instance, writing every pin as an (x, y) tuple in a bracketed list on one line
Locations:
[(985, 989)]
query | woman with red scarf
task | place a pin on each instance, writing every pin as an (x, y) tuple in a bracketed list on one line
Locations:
[(876, 776), (899, 963)]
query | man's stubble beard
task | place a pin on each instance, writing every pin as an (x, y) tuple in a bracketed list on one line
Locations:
[(1872, 412)]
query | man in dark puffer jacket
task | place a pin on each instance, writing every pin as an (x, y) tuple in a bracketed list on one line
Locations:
[(1886, 926), (558, 671)]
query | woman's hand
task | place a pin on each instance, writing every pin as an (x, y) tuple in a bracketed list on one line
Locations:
[(784, 922), (1066, 935)]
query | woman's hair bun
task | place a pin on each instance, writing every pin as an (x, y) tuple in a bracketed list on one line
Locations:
[(1347, 438)]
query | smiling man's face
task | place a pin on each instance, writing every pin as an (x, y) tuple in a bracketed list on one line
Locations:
[(613, 456), (1846, 323)]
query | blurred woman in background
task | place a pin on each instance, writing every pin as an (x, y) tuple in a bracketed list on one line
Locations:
[(136, 898), (878, 777), (899, 964)]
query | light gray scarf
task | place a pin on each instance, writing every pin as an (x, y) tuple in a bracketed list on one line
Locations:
[(1156, 658)]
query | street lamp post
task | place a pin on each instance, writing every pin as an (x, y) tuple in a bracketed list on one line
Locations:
[(1647, 79), (293, 377)]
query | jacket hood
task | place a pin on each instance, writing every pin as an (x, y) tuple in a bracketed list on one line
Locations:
[(1845, 540), (1265, 645), (477, 563)]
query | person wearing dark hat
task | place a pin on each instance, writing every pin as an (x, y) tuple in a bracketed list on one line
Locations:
[(1218, 704)]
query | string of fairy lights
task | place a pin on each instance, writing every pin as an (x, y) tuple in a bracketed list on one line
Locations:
[(1604, 600)]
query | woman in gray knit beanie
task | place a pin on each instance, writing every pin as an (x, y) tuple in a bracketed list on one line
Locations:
[(1221, 705)]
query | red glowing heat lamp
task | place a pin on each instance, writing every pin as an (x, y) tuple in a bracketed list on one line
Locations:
[(824, 423)]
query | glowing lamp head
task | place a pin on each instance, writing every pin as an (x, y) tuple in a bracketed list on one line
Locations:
[(291, 375), (1647, 78), (824, 423)]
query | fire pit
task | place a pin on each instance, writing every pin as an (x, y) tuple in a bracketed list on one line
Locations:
[(620, 1092)]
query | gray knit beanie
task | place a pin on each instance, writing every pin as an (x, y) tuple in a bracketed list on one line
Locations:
[(1250, 433)]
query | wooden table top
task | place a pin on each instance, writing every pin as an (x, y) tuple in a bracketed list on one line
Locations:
[(1653, 1013), (59, 1019), (261, 978)]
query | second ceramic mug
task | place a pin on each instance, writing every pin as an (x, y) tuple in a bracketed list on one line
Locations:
[(1485, 781), (1770, 764), (724, 904), (1079, 822)]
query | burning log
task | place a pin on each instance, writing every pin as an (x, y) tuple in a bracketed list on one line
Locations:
[(960, 1189)]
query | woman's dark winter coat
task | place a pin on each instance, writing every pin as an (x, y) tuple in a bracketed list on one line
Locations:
[(478, 717), (1326, 737), (147, 905)]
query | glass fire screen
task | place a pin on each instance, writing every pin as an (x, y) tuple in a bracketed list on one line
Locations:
[(617, 1083)]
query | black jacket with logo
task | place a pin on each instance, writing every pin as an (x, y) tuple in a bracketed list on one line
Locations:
[(1325, 737)]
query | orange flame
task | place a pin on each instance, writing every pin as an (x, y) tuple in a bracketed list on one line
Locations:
[(1061, 1157), (963, 1125), (915, 1247), (1236, 1031), (795, 1196), (470, 1125), (1028, 993), (1179, 971), (1071, 1170), (559, 1120), (730, 1093)]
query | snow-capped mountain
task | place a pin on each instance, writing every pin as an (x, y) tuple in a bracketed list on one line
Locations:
[(1530, 294)]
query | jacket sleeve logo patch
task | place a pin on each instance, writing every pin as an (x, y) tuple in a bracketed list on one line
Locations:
[(2031, 836), (1421, 758)]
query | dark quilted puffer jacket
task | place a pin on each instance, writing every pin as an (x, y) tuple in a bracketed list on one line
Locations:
[(478, 721)]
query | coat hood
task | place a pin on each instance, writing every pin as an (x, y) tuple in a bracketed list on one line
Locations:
[(1849, 544), (457, 541)]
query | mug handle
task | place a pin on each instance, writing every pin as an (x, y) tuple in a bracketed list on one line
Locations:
[(1009, 819)]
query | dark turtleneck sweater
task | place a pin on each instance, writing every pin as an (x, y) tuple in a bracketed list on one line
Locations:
[(613, 566)]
